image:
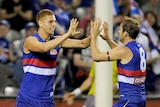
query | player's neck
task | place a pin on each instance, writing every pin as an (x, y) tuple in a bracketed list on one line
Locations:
[(43, 35), (127, 40)]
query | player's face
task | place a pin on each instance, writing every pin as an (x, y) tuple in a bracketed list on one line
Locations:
[(49, 24)]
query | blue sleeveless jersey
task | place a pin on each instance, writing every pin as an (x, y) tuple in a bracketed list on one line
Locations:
[(40, 70), (131, 76)]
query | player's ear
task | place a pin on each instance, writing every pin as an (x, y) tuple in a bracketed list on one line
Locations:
[(126, 34), (40, 23)]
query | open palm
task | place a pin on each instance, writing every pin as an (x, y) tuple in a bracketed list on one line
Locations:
[(73, 27)]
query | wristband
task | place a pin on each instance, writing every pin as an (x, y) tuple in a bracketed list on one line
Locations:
[(108, 55), (76, 92)]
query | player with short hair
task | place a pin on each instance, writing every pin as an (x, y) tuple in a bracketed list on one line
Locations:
[(131, 61), (40, 52)]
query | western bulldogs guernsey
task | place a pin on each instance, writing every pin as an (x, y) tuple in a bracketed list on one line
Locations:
[(131, 76), (40, 70)]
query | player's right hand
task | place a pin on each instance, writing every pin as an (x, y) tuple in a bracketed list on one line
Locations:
[(69, 98)]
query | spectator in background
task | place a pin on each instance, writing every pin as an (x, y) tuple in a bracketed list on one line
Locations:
[(77, 7), (11, 35), (17, 12), (30, 28), (153, 21), (123, 8), (6, 57), (6, 52), (151, 30), (152, 5), (153, 60)]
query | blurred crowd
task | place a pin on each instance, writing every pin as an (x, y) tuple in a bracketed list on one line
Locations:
[(17, 21)]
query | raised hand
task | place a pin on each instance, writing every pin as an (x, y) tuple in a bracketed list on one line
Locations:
[(69, 98), (73, 27), (105, 35), (95, 27)]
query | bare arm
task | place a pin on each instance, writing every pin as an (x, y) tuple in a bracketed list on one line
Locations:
[(74, 43), (33, 44), (118, 53), (6, 15), (86, 84), (69, 97)]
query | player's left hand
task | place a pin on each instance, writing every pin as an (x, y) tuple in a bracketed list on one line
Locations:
[(105, 35), (95, 27), (73, 27)]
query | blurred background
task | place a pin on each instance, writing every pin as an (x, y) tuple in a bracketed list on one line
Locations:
[(17, 21)]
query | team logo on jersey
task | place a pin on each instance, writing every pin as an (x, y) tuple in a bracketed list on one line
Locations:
[(53, 52)]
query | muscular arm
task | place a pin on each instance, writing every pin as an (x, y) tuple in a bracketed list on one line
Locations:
[(111, 43), (117, 53), (33, 44), (73, 43)]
